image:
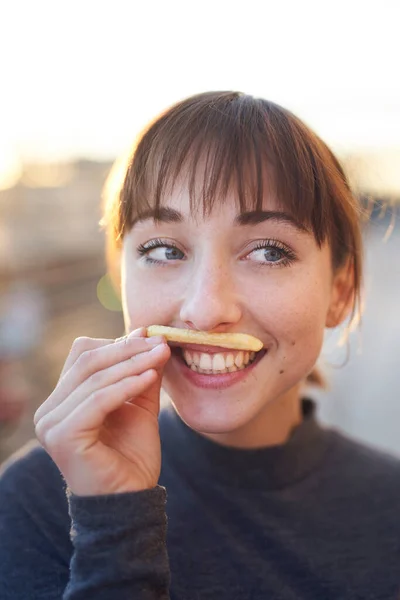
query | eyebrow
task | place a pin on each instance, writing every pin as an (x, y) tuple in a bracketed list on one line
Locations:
[(164, 214), (255, 217)]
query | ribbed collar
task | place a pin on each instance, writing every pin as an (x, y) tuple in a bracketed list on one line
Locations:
[(274, 467)]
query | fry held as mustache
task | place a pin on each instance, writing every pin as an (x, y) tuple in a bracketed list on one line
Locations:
[(235, 341)]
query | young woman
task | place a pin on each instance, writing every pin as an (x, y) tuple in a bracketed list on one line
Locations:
[(233, 217)]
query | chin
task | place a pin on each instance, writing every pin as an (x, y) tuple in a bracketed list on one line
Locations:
[(212, 421), (216, 412)]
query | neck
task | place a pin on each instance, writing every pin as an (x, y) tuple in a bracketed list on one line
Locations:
[(270, 427)]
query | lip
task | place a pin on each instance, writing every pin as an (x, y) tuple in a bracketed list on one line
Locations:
[(215, 382)]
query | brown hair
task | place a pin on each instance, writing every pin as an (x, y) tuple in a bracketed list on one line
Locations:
[(248, 143)]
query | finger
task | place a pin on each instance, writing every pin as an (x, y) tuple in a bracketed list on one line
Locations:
[(140, 332), (90, 362), (90, 415), (153, 359), (86, 344), (79, 346), (107, 355), (150, 400)]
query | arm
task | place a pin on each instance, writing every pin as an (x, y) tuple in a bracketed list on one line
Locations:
[(114, 549), (100, 428), (35, 547), (119, 547)]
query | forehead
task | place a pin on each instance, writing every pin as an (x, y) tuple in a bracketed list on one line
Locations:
[(196, 204), (199, 190)]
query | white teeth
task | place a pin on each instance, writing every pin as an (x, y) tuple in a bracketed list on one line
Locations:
[(229, 361), (218, 363), (205, 362), (239, 359), (188, 357)]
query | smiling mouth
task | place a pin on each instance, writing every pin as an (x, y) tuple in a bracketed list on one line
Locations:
[(218, 363)]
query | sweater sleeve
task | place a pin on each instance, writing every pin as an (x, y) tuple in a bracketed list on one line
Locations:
[(54, 545), (119, 547)]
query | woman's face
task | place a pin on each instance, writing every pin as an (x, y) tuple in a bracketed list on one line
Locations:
[(260, 274)]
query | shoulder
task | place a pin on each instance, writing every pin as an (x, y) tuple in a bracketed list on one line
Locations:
[(364, 475), (370, 461)]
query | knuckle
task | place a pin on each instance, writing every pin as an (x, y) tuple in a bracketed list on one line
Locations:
[(133, 341), (41, 430), (97, 396), (85, 360), (50, 439), (45, 407), (80, 344), (137, 355), (95, 379), (36, 416), (55, 438)]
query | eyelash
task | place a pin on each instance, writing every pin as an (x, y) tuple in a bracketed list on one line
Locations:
[(144, 249), (289, 255)]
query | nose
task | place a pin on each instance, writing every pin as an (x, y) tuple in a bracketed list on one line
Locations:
[(211, 302)]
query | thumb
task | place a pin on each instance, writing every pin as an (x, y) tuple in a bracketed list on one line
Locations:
[(150, 399)]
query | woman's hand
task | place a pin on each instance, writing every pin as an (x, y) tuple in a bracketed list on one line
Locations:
[(100, 424)]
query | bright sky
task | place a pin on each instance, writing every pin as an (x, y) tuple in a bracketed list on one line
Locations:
[(81, 77)]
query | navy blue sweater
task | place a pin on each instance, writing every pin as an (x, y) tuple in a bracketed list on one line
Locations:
[(315, 518)]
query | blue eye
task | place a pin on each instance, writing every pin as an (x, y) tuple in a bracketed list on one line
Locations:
[(160, 252), (170, 253), (272, 253)]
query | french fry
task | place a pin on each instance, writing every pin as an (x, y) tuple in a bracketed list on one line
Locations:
[(236, 341)]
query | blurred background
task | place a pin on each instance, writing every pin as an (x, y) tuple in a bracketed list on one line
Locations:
[(78, 82)]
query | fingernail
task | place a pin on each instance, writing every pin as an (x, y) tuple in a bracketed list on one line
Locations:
[(157, 348), (155, 340), (137, 332)]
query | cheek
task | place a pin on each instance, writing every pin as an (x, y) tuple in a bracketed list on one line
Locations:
[(144, 302), (293, 309)]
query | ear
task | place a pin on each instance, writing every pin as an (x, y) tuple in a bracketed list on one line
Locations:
[(342, 295)]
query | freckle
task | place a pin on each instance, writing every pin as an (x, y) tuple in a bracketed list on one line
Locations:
[(280, 372), (293, 343)]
